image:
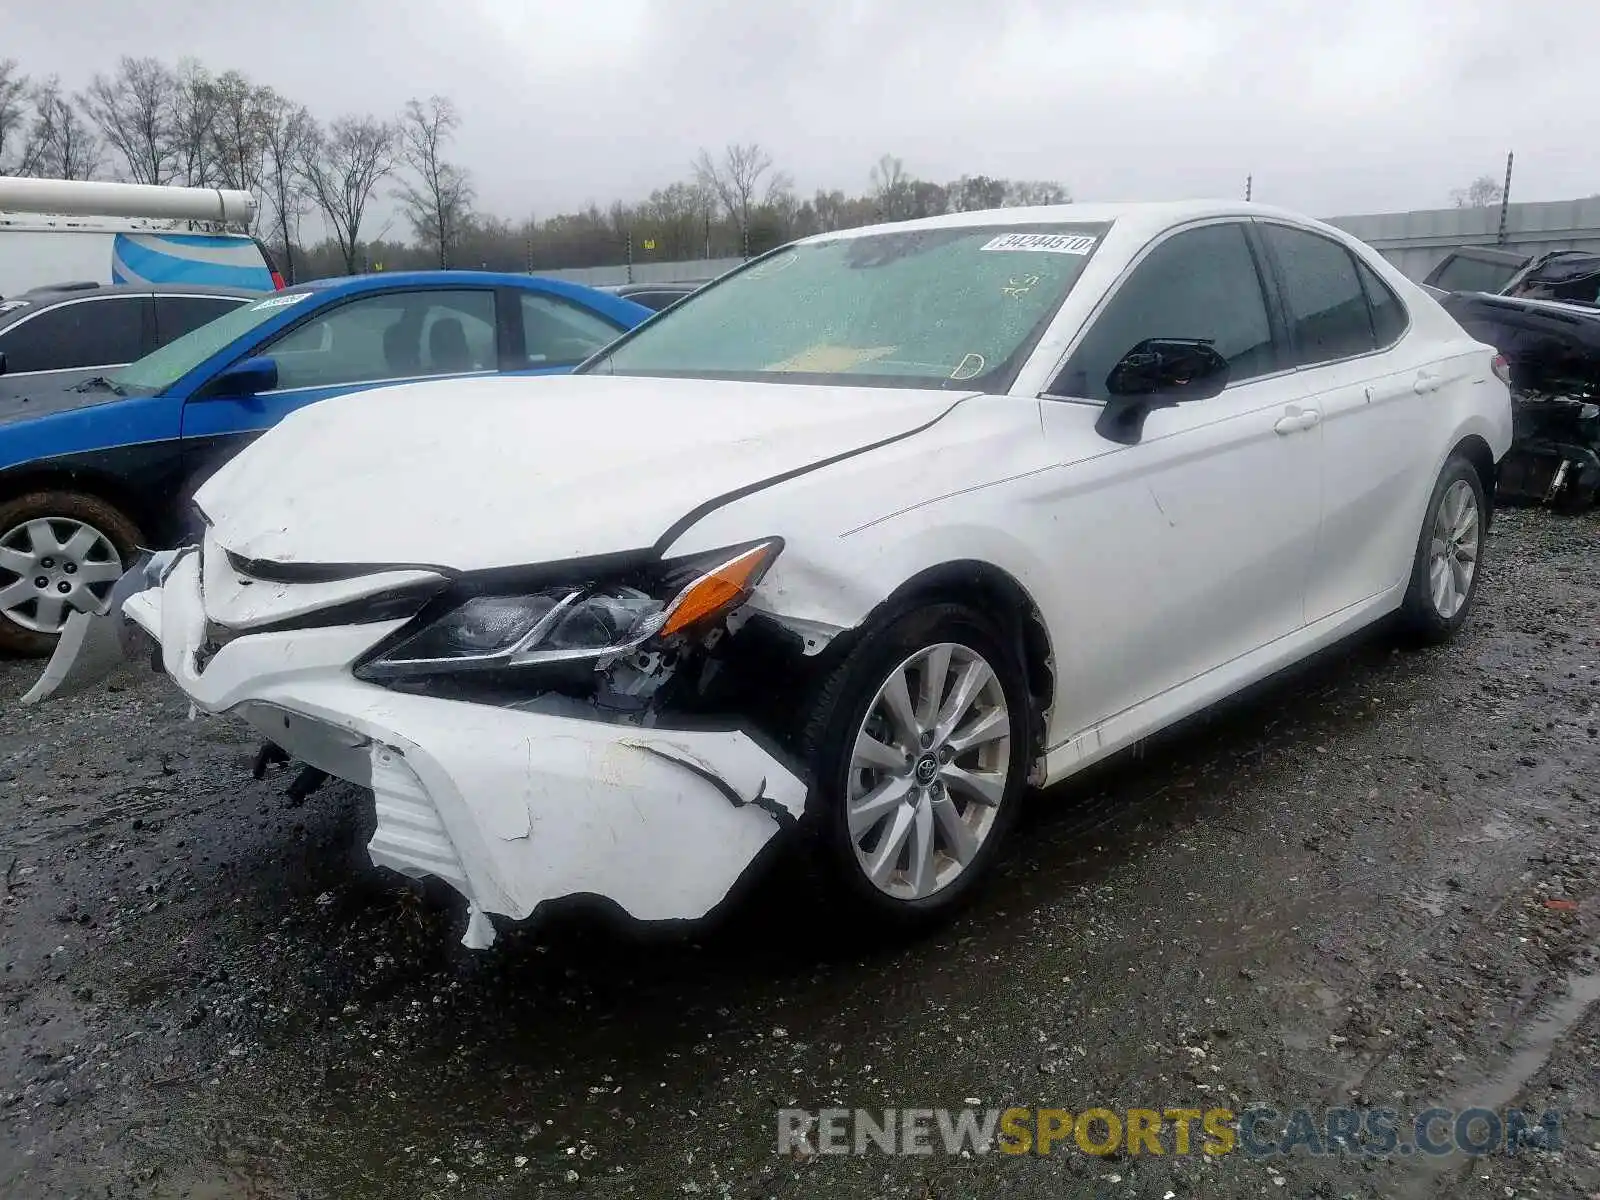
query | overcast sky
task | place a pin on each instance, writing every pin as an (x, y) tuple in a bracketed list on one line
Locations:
[(1337, 107)]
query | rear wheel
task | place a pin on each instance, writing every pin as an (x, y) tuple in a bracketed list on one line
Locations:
[(59, 552), (1449, 558), (918, 751)]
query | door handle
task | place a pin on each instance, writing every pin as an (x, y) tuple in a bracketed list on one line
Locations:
[(1427, 382), (1296, 420)]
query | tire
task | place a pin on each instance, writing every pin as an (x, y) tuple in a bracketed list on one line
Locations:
[(82, 575), (1430, 614), (914, 891)]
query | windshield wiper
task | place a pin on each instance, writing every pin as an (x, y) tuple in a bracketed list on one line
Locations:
[(100, 381)]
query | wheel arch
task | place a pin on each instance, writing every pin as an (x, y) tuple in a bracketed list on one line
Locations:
[(1476, 451), (996, 594), (103, 486)]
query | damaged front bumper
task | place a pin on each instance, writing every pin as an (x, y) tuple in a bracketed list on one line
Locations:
[(511, 808)]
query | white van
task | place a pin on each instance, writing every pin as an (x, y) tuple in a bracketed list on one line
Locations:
[(55, 232)]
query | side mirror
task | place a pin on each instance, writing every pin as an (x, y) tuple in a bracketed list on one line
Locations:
[(246, 378), (1158, 373)]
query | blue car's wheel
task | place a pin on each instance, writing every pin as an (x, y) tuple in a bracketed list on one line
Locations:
[(59, 551)]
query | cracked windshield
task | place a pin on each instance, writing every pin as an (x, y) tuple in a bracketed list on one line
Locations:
[(939, 307)]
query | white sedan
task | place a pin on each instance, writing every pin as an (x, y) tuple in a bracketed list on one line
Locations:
[(855, 543)]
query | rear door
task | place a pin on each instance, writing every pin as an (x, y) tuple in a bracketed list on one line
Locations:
[(372, 340), (1371, 382), (557, 334), (75, 339)]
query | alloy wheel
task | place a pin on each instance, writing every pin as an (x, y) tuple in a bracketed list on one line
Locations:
[(928, 771), (1453, 549), (51, 565)]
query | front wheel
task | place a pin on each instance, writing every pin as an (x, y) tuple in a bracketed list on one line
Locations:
[(918, 747), (1449, 557), (59, 551)]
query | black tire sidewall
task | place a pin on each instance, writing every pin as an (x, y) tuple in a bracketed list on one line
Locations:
[(838, 714), (1420, 616), (67, 505)]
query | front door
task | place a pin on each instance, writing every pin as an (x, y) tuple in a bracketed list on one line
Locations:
[(1191, 547)]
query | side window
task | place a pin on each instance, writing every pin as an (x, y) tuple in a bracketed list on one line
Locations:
[(88, 333), (1328, 317), (559, 332), (178, 315), (1198, 284), (1389, 317), (396, 335)]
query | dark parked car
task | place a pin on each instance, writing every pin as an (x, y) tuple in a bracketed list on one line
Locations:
[(655, 296), (1570, 275), (1475, 269), (57, 336), (1552, 351)]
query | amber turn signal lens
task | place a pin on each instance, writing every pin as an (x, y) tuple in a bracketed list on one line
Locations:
[(718, 589)]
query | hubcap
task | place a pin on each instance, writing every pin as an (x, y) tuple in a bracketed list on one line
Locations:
[(51, 565), (1453, 549), (928, 772)]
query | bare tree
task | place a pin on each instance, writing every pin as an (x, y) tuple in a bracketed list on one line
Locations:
[(239, 134), (736, 180), (134, 110), (891, 188), (62, 146), (14, 88), (342, 169), (1482, 192), (439, 203), (287, 134), (193, 120)]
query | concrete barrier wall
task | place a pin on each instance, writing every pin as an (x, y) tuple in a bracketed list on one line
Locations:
[(692, 271)]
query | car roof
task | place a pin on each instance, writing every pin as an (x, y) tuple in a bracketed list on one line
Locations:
[(619, 307), (50, 293), (382, 279), (15, 308), (1133, 218), (1493, 254)]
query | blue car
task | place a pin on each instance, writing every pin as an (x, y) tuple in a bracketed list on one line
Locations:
[(90, 471)]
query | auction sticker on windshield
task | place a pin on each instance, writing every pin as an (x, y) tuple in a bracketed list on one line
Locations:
[(280, 301), (1047, 243)]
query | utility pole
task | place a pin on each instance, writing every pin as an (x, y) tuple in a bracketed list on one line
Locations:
[(630, 256), (1249, 181), (1505, 202)]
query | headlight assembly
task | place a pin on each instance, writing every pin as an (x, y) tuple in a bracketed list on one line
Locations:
[(574, 622)]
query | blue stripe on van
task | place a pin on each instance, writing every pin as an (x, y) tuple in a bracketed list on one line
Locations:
[(134, 259), (210, 240)]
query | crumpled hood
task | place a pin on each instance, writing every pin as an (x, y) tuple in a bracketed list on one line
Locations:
[(482, 473)]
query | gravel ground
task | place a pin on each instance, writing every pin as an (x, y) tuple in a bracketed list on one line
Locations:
[(1374, 883)]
